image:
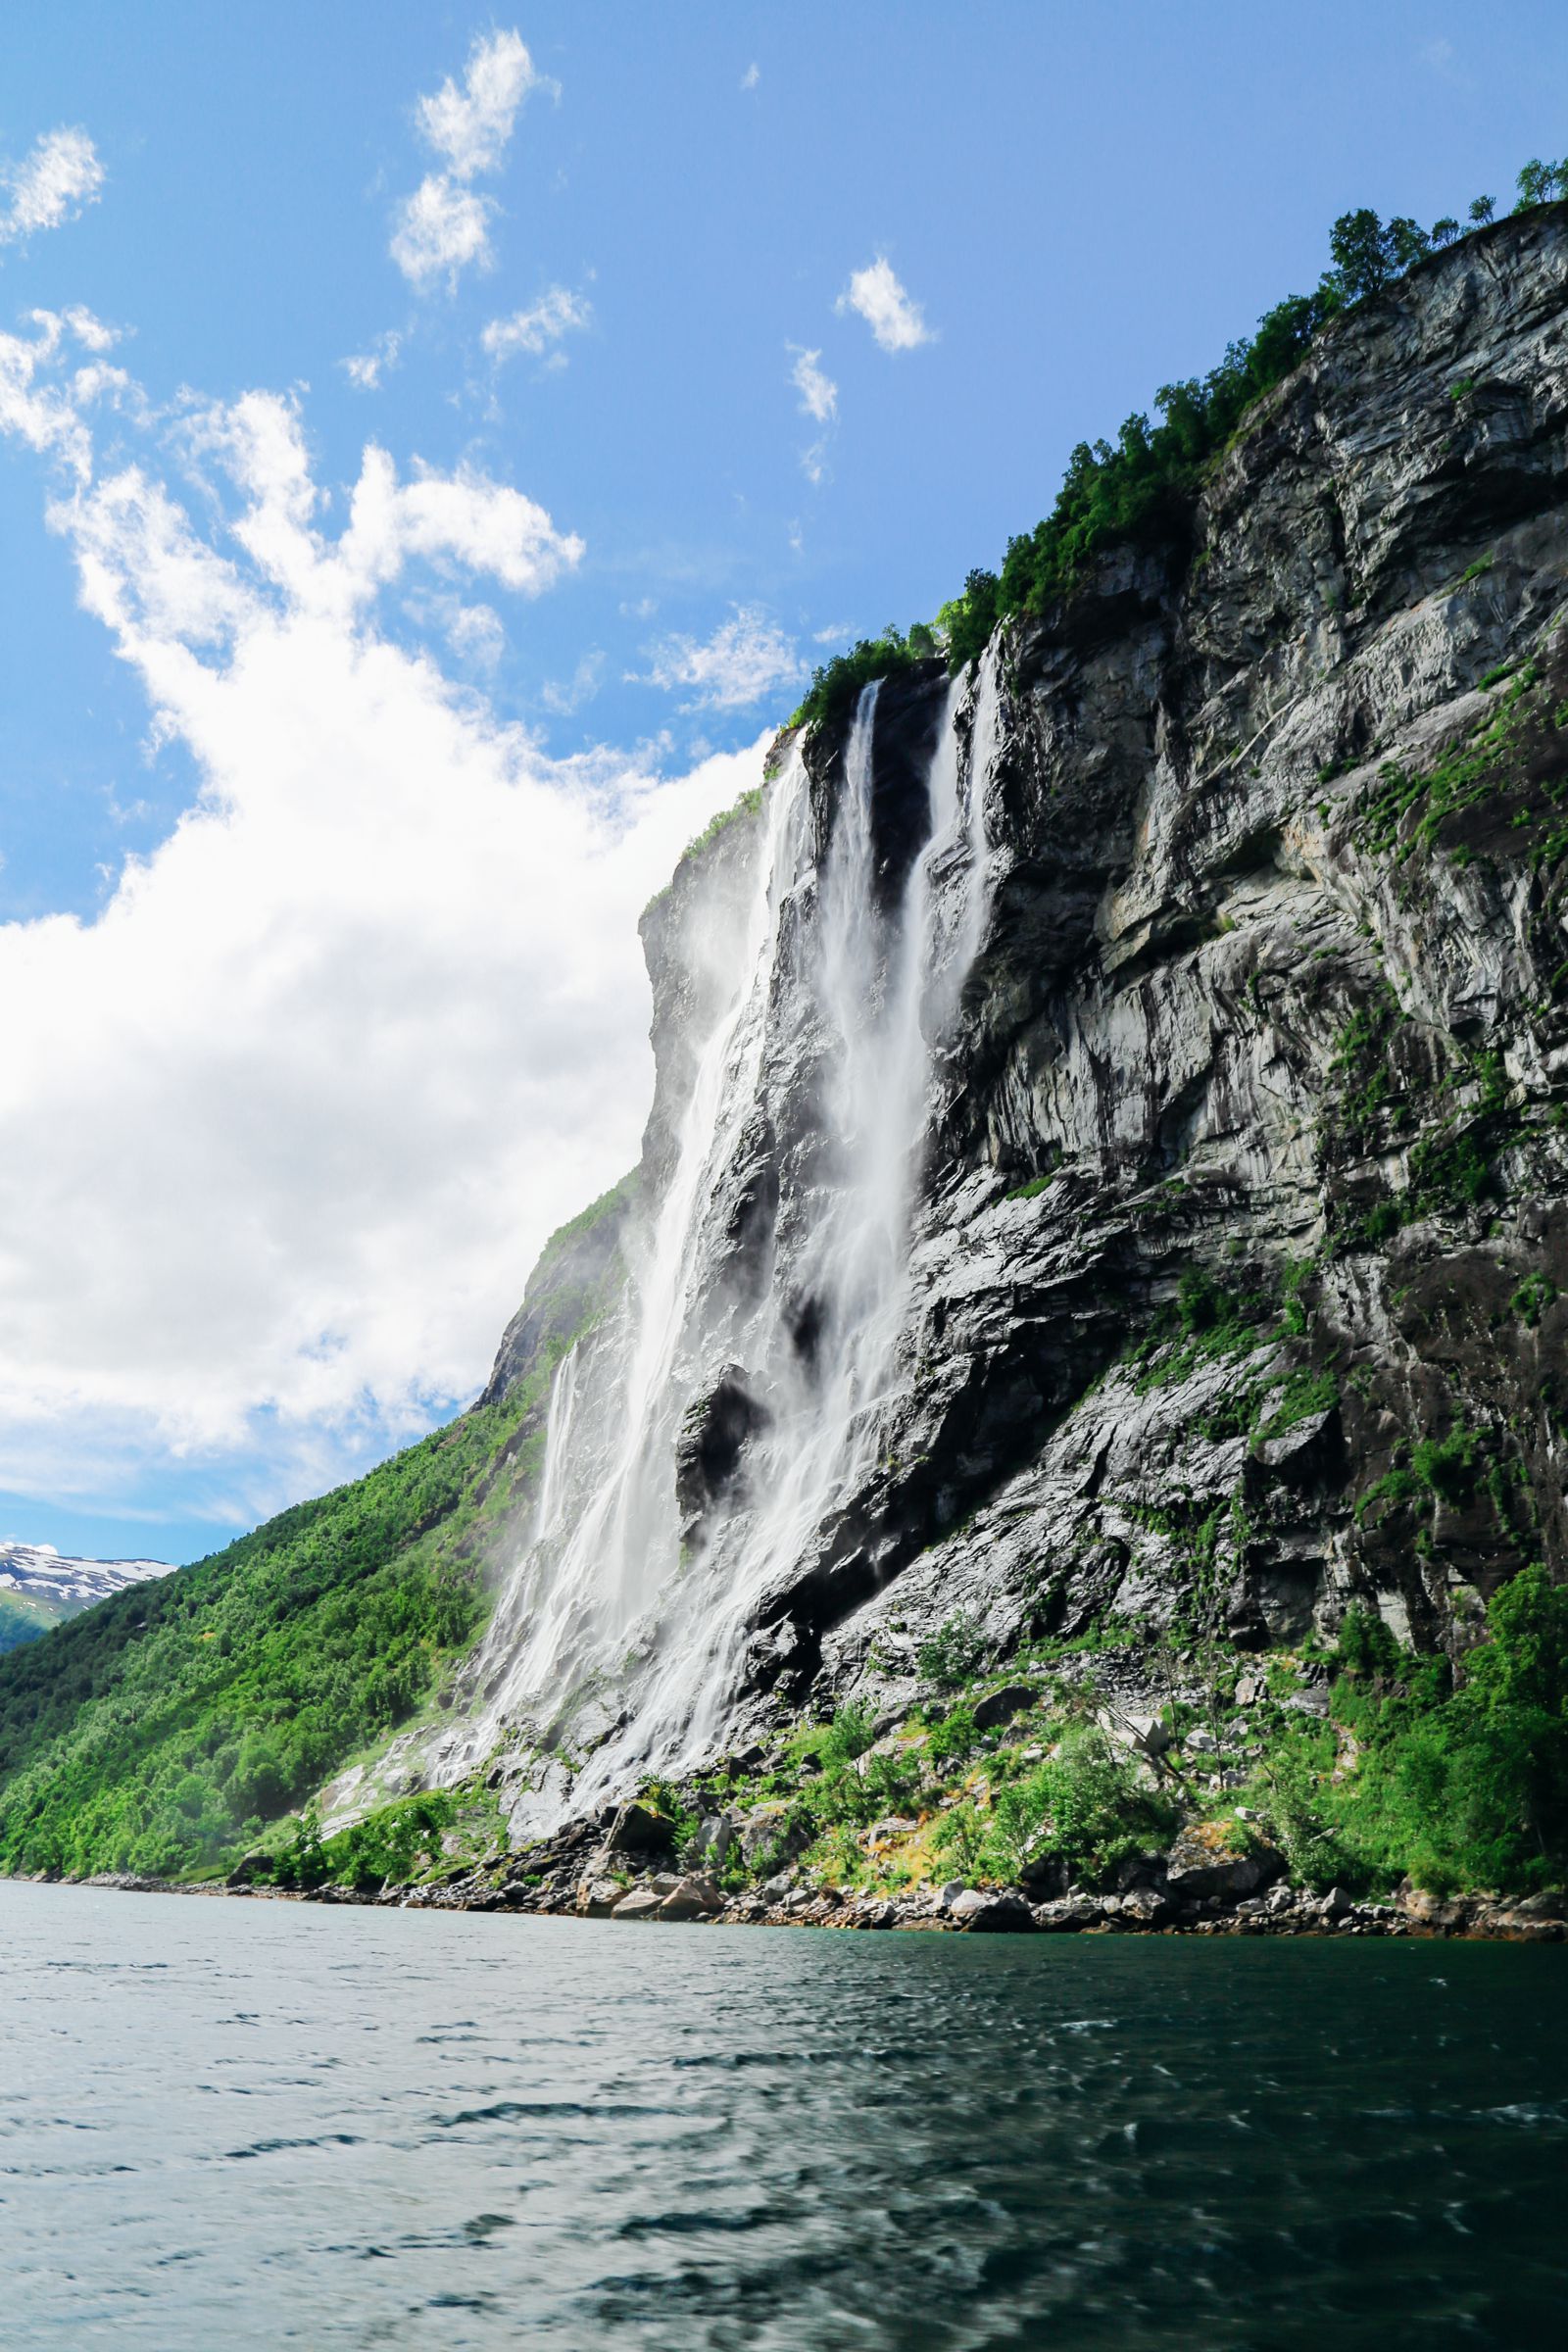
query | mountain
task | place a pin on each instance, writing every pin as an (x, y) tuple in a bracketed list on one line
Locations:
[(40, 1589), (1084, 1342)]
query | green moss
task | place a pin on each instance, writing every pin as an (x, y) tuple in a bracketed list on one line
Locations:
[(1531, 1299), (1305, 1394)]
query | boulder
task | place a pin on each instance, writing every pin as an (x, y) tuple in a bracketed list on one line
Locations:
[(1068, 1915), (1042, 1876), (691, 1898), (1001, 1706), (1426, 1910), (1215, 1857), (641, 1903), (989, 1911), (712, 1838), (769, 1835), (638, 1830), (597, 1897)]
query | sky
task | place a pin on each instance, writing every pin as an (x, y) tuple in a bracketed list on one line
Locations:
[(434, 448)]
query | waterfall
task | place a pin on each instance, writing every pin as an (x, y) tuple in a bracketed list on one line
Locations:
[(826, 1025)]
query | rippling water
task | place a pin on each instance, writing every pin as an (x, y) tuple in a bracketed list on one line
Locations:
[(235, 2125)]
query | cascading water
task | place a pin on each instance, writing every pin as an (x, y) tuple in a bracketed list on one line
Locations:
[(613, 1630)]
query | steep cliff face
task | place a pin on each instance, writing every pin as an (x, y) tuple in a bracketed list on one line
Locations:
[(1126, 1183), (1270, 1002)]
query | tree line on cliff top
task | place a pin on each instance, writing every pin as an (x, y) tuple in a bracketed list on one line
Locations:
[(1115, 490)]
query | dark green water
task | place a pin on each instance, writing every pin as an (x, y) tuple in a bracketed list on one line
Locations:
[(229, 2124)]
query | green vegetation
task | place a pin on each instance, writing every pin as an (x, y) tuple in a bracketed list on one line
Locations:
[(163, 1730), (1083, 1807), (749, 805), (1140, 486), (952, 1655), (439, 1831), (1456, 1779), (1205, 1321), (1467, 1785), (1417, 811)]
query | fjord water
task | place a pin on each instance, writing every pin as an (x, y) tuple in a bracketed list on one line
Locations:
[(244, 2125)]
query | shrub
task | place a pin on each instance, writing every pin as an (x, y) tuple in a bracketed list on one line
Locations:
[(1086, 1805), (955, 1653)]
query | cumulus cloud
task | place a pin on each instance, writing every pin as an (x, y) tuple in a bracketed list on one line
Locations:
[(444, 227), (441, 230), (52, 184), (365, 368), (897, 322), (285, 1123), (539, 328), (747, 658), (471, 127), (819, 394), (751, 76)]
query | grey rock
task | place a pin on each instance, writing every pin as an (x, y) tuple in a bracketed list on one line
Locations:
[(983, 1911), (597, 1897), (1001, 1706), (1196, 1868), (691, 1898), (643, 1902), (1068, 1915)]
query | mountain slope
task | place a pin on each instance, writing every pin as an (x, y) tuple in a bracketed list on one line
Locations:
[(160, 1732), (40, 1589)]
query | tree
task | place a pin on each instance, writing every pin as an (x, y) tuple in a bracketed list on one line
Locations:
[(1360, 253), (1482, 209), (1445, 232), (1535, 183), (1405, 241)]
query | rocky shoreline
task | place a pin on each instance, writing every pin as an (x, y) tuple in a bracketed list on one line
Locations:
[(691, 1899)]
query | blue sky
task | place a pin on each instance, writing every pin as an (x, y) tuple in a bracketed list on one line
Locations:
[(714, 332)]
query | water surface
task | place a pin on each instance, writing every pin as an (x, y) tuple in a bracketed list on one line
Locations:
[(227, 2125)]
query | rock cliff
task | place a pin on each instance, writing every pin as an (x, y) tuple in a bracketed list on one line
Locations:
[(1234, 1244)]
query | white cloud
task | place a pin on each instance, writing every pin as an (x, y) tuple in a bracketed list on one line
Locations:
[(819, 394), (751, 76), (747, 658), (281, 1129), (1440, 55), (444, 229), (55, 180), (819, 398), (365, 368), (897, 322), (580, 688), (556, 313), (471, 127)]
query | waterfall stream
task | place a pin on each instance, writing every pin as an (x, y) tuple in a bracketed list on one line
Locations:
[(614, 1634)]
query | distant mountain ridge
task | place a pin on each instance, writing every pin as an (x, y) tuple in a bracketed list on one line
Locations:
[(41, 1588)]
